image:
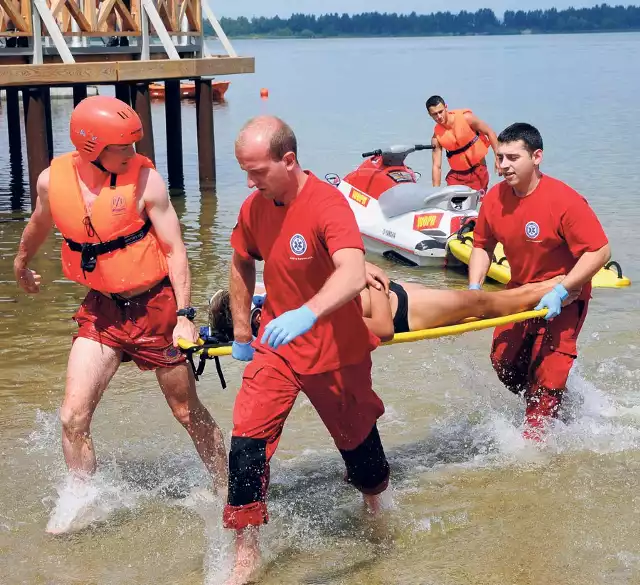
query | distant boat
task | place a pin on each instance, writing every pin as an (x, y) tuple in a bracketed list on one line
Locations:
[(188, 90)]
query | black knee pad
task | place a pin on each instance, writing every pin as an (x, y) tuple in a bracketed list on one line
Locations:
[(247, 471), (515, 380), (367, 467)]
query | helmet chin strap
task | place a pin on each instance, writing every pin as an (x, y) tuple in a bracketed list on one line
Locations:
[(113, 176), (98, 164)]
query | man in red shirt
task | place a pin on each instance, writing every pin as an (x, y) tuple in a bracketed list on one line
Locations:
[(312, 335), (547, 229)]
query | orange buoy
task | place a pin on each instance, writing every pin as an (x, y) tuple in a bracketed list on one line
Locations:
[(264, 93)]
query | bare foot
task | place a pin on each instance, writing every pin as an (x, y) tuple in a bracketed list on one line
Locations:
[(220, 490), (247, 560), (546, 285), (373, 504)]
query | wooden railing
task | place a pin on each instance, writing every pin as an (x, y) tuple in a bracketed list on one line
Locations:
[(111, 17)]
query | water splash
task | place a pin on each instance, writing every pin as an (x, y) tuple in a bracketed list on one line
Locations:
[(83, 502)]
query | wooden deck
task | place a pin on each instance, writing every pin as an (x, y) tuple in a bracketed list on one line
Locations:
[(105, 68), (62, 43), (165, 39)]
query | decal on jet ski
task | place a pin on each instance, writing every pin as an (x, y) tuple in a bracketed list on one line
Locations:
[(359, 197), (333, 179), (389, 233), (401, 176), (425, 221)]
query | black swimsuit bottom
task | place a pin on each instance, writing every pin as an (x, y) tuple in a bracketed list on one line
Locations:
[(401, 318)]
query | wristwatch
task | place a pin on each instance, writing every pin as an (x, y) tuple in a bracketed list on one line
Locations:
[(188, 312)]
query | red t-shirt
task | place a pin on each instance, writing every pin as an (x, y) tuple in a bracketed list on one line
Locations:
[(543, 234), (296, 242)]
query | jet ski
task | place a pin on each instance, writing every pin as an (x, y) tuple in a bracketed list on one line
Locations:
[(400, 219)]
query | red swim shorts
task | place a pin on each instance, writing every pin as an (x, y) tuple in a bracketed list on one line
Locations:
[(142, 327), (477, 178)]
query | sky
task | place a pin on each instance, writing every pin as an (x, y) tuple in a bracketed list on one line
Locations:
[(284, 8)]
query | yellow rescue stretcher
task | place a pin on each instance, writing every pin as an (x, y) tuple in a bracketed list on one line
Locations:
[(461, 245), (212, 348)]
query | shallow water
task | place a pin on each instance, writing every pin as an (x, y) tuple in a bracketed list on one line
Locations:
[(473, 504)]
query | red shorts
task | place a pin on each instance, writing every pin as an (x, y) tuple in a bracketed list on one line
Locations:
[(538, 354), (477, 178), (347, 405), (141, 328)]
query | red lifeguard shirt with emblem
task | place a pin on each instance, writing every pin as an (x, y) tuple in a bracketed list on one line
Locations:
[(543, 234), (296, 242)]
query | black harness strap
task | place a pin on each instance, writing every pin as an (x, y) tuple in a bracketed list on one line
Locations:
[(90, 252), (467, 146), (211, 339)]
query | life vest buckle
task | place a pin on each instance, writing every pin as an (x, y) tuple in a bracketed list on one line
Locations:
[(88, 257)]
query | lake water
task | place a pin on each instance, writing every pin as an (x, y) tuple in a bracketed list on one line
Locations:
[(474, 504)]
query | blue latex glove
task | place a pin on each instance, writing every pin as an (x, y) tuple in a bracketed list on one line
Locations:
[(475, 286), (242, 351), (288, 326), (553, 301), (258, 300)]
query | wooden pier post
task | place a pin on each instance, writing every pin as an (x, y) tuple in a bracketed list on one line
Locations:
[(79, 93), (13, 120), (16, 183), (173, 118), (35, 123), (16, 180), (46, 93), (141, 103), (123, 92), (206, 144)]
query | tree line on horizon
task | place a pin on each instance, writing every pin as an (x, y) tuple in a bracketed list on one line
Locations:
[(483, 21)]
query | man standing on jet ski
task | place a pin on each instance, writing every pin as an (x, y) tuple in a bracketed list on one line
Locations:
[(547, 230), (466, 140)]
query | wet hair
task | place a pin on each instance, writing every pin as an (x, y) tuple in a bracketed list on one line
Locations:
[(522, 131), (434, 100), (220, 319)]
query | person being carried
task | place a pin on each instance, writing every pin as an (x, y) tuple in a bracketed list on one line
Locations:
[(312, 337), (408, 306), (122, 240), (466, 140), (547, 229)]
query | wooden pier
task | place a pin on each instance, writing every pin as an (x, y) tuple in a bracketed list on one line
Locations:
[(124, 43)]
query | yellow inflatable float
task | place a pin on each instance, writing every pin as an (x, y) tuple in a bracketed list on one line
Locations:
[(461, 245)]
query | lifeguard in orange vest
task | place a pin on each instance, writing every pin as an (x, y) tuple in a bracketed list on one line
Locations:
[(122, 240), (466, 141)]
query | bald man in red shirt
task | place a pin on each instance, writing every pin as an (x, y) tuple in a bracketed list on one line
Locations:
[(312, 336), (547, 229)]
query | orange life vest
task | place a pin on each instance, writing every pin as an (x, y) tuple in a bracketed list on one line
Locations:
[(465, 147), (113, 250)]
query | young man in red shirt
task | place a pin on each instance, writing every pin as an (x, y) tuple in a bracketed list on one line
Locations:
[(547, 229), (312, 335)]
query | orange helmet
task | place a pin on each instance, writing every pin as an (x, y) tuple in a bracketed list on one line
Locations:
[(100, 120)]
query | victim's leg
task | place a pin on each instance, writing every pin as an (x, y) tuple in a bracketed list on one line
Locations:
[(435, 308), (515, 300)]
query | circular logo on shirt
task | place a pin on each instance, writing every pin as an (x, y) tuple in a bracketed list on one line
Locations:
[(298, 245), (532, 230)]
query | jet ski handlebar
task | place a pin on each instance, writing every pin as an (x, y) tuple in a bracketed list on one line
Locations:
[(398, 150), (372, 153)]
